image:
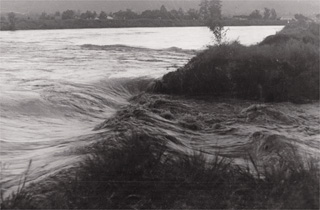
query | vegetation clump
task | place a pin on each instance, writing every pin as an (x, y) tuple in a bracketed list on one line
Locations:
[(142, 173), (283, 67)]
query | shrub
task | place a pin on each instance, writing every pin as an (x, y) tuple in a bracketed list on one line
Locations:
[(284, 67)]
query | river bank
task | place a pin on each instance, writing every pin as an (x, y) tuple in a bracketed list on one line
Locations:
[(283, 67)]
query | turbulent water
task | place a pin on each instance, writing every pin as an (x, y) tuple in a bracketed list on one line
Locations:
[(66, 89)]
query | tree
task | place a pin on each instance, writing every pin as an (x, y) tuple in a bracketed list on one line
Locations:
[(215, 9), (210, 11), (103, 15), (266, 13), (193, 14), (180, 13), (94, 15), (273, 15), (163, 9), (129, 14), (164, 12), (152, 14), (83, 16), (12, 20), (255, 15), (301, 18), (203, 11), (44, 16), (218, 31), (88, 15), (173, 14), (3, 19), (68, 14)]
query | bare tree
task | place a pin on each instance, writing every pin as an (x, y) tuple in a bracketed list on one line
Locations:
[(210, 11)]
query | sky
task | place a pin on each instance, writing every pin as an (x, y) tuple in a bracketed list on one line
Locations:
[(230, 7)]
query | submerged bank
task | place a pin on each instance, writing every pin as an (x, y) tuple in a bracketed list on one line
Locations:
[(175, 152), (192, 151)]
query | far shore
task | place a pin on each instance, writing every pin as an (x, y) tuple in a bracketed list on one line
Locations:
[(134, 23)]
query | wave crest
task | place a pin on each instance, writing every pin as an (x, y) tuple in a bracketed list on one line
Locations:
[(119, 47)]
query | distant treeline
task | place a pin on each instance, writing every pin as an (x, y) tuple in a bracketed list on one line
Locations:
[(128, 18)]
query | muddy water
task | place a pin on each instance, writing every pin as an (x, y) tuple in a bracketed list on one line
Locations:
[(226, 127), (65, 89)]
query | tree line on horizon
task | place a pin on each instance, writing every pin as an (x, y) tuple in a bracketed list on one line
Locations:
[(208, 14), (162, 13)]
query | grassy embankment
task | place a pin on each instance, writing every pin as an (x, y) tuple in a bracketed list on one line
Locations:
[(284, 67), (136, 169)]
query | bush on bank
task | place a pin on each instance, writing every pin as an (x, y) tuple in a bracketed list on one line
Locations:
[(283, 67)]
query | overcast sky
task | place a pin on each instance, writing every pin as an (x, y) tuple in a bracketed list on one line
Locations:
[(230, 7)]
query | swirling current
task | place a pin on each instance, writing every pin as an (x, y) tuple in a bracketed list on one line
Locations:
[(62, 91)]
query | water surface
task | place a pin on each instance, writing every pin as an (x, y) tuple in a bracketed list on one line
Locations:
[(57, 85)]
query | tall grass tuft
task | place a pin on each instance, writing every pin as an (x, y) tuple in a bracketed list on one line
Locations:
[(142, 173)]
